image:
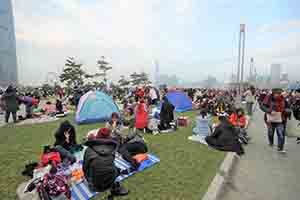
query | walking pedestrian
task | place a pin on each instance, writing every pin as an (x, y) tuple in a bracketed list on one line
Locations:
[(274, 107), (250, 100)]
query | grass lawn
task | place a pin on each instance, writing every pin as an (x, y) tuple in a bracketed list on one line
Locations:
[(185, 171)]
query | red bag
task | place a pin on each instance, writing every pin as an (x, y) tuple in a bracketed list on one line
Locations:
[(53, 157), (140, 157), (182, 121)]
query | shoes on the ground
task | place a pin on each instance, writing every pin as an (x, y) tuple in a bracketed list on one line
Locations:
[(119, 190), (271, 145), (281, 151)]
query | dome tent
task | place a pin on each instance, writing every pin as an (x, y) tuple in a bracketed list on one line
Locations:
[(180, 100), (95, 106)]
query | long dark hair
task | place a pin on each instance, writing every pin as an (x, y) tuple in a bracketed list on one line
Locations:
[(60, 138)]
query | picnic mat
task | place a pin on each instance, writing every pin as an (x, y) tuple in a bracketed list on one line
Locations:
[(38, 120), (198, 138), (80, 191)]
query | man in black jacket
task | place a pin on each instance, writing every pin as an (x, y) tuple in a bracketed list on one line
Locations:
[(98, 164)]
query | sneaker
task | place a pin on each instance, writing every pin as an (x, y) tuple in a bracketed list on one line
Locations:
[(271, 145), (281, 151), (119, 190)]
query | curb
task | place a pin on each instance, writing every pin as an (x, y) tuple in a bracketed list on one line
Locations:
[(217, 185)]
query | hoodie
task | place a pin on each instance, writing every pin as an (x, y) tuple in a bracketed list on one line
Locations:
[(98, 164)]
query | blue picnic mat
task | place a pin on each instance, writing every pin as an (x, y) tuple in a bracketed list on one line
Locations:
[(80, 191)]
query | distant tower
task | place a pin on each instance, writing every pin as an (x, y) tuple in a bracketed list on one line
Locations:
[(251, 72), (156, 73), (275, 75), (8, 57)]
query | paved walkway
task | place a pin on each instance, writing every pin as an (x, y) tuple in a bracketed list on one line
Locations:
[(263, 173)]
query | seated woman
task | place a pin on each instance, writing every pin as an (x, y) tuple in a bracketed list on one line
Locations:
[(65, 141), (132, 145), (59, 107), (115, 124), (166, 114), (225, 138), (129, 118), (98, 163), (202, 124), (239, 121)]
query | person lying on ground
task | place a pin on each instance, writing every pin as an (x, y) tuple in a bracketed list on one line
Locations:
[(98, 163), (65, 141), (133, 145), (225, 138)]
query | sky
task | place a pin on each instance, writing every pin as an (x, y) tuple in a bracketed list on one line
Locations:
[(189, 38)]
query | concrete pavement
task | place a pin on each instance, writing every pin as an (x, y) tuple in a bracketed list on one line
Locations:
[(263, 173)]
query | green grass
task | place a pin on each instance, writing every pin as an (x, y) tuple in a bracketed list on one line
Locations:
[(185, 171)]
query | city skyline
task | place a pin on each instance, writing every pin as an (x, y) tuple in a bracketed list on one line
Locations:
[(190, 38)]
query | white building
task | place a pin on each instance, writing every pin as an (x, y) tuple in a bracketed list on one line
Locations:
[(275, 75), (8, 58)]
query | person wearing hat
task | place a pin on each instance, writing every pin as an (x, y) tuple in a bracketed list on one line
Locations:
[(274, 107), (98, 163)]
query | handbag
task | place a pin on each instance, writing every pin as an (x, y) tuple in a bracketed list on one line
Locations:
[(274, 117)]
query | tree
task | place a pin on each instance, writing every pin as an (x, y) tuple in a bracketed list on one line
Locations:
[(73, 74), (123, 82), (104, 68), (48, 89), (139, 79)]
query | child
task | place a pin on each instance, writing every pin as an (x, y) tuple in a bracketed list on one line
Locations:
[(202, 127)]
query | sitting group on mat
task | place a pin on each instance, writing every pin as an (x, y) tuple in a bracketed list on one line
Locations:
[(223, 131), (138, 117), (99, 170)]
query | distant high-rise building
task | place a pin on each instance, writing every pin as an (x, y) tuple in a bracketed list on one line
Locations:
[(275, 75), (8, 57), (156, 73)]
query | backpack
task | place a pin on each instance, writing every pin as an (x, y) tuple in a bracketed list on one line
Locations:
[(56, 185)]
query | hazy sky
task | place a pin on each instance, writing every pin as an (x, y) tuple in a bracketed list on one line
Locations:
[(189, 38)]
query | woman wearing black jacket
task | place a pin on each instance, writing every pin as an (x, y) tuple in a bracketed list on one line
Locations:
[(65, 141), (225, 137), (166, 114)]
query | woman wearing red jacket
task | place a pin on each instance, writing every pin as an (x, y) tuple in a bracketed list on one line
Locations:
[(238, 118)]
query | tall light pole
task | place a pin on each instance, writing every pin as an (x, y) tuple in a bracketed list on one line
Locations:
[(241, 57)]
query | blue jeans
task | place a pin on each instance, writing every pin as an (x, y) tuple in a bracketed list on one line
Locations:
[(279, 128)]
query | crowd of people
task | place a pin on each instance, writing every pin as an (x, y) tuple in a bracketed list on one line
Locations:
[(221, 119)]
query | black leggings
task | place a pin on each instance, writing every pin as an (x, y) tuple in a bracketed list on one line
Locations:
[(7, 115), (128, 150)]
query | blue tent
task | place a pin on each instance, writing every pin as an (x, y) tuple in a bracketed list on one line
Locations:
[(180, 100), (95, 107)]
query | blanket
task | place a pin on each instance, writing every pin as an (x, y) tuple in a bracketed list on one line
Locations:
[(80, 191), (198, 138)]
